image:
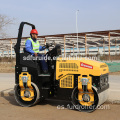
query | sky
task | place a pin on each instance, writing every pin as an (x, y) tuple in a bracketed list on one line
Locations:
[(59, 16)]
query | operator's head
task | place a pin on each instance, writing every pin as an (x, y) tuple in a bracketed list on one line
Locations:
[(34, 33)]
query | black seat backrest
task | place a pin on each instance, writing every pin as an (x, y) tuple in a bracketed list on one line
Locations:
[(24, 51)]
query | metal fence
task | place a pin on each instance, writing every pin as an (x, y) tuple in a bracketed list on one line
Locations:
[(89, 43)]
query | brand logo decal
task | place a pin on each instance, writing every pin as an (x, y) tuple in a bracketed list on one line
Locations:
[(85, 65)]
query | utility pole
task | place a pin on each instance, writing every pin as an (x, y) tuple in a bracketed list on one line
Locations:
[(77, 29)]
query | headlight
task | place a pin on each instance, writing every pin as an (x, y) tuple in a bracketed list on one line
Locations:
[(24, 79), (84, 81)]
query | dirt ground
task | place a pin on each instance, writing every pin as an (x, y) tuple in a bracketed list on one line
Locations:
[(115, 73), (7, 67), (47, 110)]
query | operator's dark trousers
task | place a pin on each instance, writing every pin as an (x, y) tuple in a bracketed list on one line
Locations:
[(43, 63)]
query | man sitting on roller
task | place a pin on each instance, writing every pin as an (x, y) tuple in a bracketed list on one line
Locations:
[(33, 47)]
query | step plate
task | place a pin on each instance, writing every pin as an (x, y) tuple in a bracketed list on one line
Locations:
[(44, 75)]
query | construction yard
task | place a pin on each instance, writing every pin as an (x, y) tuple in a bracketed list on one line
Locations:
[(104, 47), (100, 45), (60, 60), (56, 109)]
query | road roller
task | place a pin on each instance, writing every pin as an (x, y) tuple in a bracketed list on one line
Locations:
[(81, 81)]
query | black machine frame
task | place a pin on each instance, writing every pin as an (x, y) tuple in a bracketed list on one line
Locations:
[(47, 84)]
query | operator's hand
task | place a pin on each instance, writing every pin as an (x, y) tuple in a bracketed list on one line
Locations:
[(35, 54), (47, 45)]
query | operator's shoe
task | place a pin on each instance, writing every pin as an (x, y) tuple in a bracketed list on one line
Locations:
[(45, 71)]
